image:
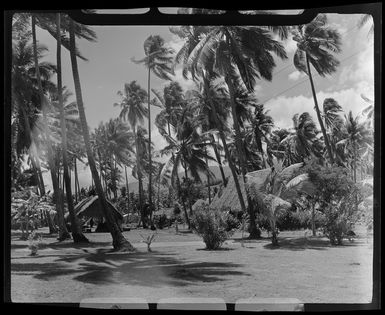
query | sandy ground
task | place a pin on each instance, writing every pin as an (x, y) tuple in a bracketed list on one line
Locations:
[(308, 269)]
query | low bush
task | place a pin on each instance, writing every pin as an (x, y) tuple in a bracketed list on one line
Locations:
[(212, 225), (161, 221)]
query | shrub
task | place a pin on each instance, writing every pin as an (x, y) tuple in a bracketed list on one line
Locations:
[(338, 222), (161, 221), (211, 224)]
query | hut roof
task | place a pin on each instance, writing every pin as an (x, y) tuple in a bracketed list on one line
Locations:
[(91, 207), (228, 196)]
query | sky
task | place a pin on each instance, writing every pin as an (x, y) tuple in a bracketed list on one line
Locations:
[(109, 66)]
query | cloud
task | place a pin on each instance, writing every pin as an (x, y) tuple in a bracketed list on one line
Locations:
[(290, 45), (361, 69), (283, 108), (295, 75)]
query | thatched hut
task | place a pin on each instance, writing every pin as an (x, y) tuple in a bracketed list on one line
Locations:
[(228, 196), (91, 208)]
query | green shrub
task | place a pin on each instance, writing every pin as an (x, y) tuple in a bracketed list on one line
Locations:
[(211, 224), (161, 221), (338, 222)]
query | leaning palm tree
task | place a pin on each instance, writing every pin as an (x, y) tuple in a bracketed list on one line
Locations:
[(158, 60), (316, 44), (119, 242)]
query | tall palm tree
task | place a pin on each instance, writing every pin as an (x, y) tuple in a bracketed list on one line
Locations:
[(233, 51), (333, 124), (212, 100), (188, 151), (302, 142), (316, 44), (356, 138), (134, 111), (76, 230), (261, 126), (119, 242), (63, 233), (158, 60)]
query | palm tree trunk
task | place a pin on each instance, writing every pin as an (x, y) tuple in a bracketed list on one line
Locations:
[(218, 157), (313, 219), (188, 198), (63, 233), (139, 173), (127, 190), (76, 230), (149, 149), (119, 242), (208, 179), (77, 193), (254, 232), (326, 139)]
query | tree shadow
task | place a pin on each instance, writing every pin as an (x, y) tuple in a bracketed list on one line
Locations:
[(302, 243), (137, 268)]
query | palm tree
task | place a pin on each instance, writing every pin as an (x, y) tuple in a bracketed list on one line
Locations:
[(188, 151), (333, 123), (119, 242), (316, 42), (356, 138), (233, 51), (275, 194), (76, 231), (63, 233), (158, 60), (302, 142), (134, 111)]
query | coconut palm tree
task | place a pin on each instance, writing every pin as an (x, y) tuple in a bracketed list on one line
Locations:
[(206, 95), (233, 51), (275, 194), (134, 111), (188, 152), (260, 129), (119, 242), (63, 233), (158, 60), (334, 123), (316, 44), (76, 230), (355, 140), (303, 141)]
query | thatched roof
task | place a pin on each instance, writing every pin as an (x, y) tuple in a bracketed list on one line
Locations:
[(91, 207), (228, 196), (199, 203)]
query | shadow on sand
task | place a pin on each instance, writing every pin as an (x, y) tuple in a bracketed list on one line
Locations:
[(153, 269), (302, 243)]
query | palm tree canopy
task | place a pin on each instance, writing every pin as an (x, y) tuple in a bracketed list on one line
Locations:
[(159, 59), (317, 42), (133, 108)]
